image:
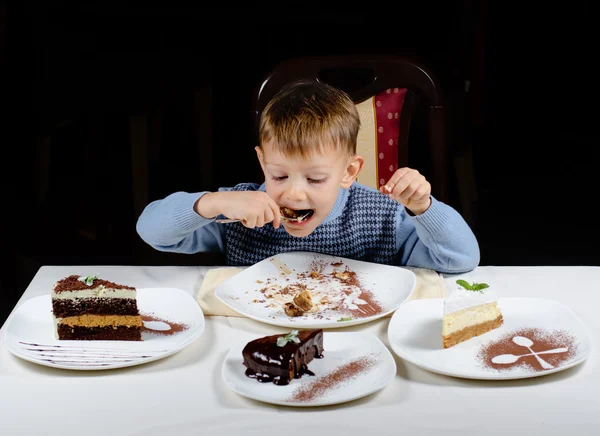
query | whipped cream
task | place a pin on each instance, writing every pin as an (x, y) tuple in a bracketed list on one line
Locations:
[(97, 292), (460, 298)]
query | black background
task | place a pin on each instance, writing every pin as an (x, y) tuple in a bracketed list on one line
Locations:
[(75, 79)]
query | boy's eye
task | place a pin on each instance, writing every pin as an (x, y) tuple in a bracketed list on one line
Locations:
[(279, 179), (316, 180)]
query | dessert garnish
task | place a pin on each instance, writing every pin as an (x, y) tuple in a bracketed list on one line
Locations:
[(477, 287), (88, 280), (290, 337)]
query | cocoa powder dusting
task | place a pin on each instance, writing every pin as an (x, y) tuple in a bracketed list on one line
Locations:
[(175, 327), (547, 345), (340, 375), (364, 304), (72, 283), (317, 265), (371, 308)]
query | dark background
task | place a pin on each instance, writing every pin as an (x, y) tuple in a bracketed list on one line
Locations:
[(83, 88)]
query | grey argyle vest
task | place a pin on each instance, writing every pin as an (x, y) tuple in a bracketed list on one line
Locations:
[(365, 230)]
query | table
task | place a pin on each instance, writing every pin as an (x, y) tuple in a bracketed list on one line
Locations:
[(185, 395)]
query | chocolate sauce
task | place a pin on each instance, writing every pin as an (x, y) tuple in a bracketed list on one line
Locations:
[(279, 380), (267, 362)]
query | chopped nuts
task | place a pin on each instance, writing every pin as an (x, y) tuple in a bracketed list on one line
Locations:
[(341, 275), (292, 310), (303, 300), (287, 212)]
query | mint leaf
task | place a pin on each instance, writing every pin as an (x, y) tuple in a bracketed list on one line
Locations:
[(88, 280), (464, 284), (290, 337), (477, 287)]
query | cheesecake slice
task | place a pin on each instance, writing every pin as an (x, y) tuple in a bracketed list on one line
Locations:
[(470, 310)]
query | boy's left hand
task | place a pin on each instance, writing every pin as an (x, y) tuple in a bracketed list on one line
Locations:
[(410, 188)]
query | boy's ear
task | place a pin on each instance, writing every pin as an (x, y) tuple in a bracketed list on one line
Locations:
[(355, 164), (261, 160)]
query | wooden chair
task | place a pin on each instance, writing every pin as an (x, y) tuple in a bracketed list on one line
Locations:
[(386, 90)]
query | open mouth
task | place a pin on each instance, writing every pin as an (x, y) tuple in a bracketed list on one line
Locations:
[(296, 215)]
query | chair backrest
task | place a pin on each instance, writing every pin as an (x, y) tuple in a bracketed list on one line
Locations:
[(385, 89)]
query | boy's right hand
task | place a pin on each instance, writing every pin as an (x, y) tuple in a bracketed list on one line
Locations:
[(254, 208)]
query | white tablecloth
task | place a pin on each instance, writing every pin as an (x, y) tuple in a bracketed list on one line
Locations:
[(184, 394)]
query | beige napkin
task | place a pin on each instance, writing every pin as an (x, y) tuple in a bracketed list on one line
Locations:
[(430, 284), (210, 304)]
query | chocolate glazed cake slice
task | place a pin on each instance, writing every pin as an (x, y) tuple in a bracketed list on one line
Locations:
[(91, 308), (281, 358)]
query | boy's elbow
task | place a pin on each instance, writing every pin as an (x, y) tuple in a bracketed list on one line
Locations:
[(144, 233), (472, 262), (468, 262)]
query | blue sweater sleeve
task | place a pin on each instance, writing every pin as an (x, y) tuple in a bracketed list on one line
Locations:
[(438, 239), (171, 224)]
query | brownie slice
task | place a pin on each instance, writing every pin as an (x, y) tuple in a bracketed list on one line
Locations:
[(266, 361)]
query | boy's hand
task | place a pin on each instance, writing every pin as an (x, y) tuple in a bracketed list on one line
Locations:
[(254, 208), (410, 188)]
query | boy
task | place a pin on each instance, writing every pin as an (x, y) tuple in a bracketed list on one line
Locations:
[(307, 152)]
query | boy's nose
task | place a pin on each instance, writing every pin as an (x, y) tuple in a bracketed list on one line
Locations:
[(295, 193)]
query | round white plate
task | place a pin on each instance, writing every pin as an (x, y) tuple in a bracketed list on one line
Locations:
[(390, 286), (339, 348), (29, 333), (415, 334)]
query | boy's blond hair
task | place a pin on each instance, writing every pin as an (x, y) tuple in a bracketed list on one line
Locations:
[(307, 116)]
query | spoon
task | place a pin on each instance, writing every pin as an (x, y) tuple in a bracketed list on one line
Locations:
[(511, 358), (298, 218), (526, 342), (233, 220)]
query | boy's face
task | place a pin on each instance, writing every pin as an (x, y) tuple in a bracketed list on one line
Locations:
[(307, 184)]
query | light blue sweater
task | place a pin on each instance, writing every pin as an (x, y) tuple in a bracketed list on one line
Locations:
[(438, 239)]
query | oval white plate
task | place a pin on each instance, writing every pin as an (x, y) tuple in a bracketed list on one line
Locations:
[(415, 334), (339, 348), (390, 286), (32, 323)]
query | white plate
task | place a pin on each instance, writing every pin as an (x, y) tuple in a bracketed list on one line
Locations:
[(390, 286), (32, 323), (339, 348), (415, 334)]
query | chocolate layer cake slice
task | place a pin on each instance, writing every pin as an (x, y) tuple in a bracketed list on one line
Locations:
[(281, 358), (90, 308)]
